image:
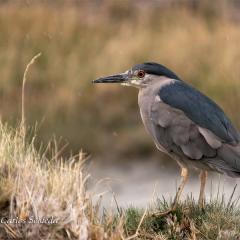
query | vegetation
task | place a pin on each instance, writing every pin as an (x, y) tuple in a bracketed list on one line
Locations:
[(217, 221), (79, 43), (35, 187)]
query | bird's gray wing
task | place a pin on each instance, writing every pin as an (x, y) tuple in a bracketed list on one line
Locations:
[(201, 110), (174, 132)]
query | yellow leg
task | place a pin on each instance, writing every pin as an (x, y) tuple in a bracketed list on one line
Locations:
[(184, 175), (203, 179)]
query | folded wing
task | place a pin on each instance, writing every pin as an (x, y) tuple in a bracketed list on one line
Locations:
[(201, 110)]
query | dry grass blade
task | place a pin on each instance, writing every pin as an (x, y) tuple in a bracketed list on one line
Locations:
[(41, 188), (23, 90), (230, 201), (10, 231), (138, 228)]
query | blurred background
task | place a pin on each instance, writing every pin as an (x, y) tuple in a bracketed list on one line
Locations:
[(81, 40)]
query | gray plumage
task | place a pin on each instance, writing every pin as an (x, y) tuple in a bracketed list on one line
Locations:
[(190, 127), (200, 109), (184, 123)]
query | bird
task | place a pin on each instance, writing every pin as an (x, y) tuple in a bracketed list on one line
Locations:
[(184, 123)]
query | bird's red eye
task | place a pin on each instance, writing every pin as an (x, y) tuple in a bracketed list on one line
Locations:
[(141, 74)]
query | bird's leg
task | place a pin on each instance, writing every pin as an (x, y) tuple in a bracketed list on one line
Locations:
[(184, 175), (203, 179)]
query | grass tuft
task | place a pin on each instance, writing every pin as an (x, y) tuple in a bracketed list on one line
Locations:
[(189, 221), (33, 186)]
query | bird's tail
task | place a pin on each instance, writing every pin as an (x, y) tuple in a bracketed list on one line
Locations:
[(227, 160)]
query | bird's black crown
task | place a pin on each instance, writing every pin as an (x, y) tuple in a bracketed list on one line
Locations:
[(156, 69)]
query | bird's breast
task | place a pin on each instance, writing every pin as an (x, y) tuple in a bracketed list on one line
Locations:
[(154, 111), (146, 98)]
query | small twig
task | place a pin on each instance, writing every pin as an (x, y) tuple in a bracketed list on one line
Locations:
[(141, 221), (139, 225), (23, 89)]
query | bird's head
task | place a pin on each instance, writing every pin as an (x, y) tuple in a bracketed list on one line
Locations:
[(139, 75)]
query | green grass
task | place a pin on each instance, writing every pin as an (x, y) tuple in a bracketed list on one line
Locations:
[(217, 220)]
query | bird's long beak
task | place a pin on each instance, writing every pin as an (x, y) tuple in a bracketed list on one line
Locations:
[(118, 78)]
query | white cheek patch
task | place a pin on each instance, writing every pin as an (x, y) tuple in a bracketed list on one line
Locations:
[(135, 82), (125, 84)]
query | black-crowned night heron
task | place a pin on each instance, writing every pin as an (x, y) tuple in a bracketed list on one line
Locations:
[(183, 122)]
